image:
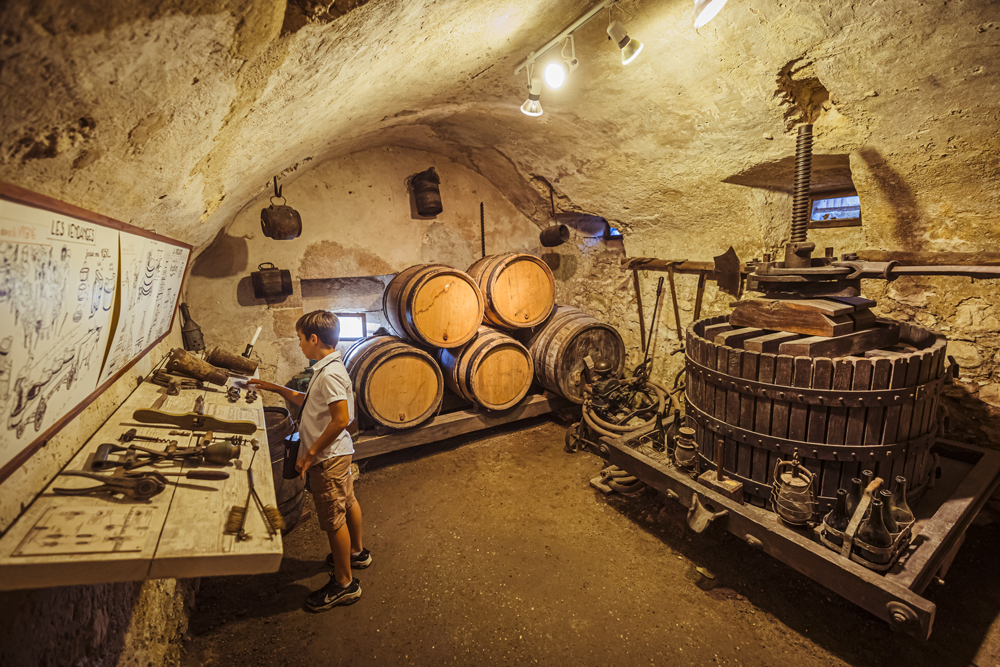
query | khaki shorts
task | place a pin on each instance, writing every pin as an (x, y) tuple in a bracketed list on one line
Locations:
[(332, 490)]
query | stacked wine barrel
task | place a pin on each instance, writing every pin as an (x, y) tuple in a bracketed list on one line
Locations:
[(433, 305), (468, 321), (559, 349), (493, 370), (396, 384)]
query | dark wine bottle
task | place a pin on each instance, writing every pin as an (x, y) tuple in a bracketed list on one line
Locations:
[(866, 478), (890, 523), (874, 532), (838, 518), (854, 497), (900, 509)]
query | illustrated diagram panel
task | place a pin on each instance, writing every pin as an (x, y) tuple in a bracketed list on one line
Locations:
[(152, 272), (58, 278)]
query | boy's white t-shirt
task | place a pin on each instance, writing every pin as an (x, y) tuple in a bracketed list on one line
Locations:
[(330, 383)]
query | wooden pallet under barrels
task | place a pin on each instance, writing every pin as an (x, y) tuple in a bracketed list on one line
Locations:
[(873, 412)]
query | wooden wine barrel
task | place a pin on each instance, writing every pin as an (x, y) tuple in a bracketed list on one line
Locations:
[(519, 289), (844, 415), (397, 385), (492, 369), (559, 346), (433, 305), (288, 493)]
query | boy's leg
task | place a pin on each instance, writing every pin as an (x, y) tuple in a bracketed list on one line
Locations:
[(355, 527), (340, 547)]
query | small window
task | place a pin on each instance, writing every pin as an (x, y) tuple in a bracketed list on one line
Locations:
[(352, 325), (612, 233), (835, 209)]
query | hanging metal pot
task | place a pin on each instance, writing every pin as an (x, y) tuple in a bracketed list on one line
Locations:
[(280, 222)]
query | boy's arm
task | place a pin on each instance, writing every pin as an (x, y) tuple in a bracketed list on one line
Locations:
[(290, 395), (340, 418)]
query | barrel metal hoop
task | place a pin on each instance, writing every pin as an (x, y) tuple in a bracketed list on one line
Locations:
[(832, 398), (808, 450)]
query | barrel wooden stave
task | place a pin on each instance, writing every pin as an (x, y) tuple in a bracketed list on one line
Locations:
[(288, 493), (871, 427), (433, 305), (559, 346), (519, 289), (396, 384), (492, 370)]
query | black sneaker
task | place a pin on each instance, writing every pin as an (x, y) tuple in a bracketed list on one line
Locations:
[(358, 562), (333, 595)]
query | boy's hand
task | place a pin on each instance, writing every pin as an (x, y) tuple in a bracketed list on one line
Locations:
[(304, 463), (262, 384)]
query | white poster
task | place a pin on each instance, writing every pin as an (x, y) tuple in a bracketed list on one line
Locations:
[(152, 272), (58, 277)]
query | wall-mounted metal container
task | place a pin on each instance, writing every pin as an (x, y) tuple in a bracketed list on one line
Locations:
[(270, 282), (280, 222), (426, 193)]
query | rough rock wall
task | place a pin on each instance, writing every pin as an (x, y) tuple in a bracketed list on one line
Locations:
[(130, 624), (359, 226)]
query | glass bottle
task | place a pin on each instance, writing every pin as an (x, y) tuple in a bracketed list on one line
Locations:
[(890, 523), (838, 518), (866, 479), (900, 509), (874, 532), (854, 498)]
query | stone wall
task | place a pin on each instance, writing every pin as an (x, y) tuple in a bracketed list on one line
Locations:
[(358, 227)]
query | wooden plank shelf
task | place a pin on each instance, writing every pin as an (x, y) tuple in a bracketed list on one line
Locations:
[(457, 423), (177, 533)]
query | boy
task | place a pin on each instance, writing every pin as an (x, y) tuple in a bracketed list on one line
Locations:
[(325, 450)]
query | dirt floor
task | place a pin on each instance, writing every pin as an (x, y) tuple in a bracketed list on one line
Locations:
[(495, 550)]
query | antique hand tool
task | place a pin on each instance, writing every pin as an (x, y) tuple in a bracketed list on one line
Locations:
[(237, 520), (208, 475), (212, 453), (724, 269), (138, 487), (195, 420), (131, 434)]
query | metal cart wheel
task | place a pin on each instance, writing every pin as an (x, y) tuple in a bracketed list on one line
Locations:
[(573, 438)]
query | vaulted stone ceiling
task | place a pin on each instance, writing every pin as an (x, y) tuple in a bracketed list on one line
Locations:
[(172, 115)]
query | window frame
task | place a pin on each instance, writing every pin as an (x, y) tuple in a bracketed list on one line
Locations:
[(364, 325), (831, 224)]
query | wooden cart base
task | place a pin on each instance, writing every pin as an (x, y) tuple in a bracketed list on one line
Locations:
[(457, 423), (970, 476)]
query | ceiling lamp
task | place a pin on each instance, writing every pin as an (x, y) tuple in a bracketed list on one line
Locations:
[(557, 71), (705, 11), (630, 47), (559, 67), (531, 106)]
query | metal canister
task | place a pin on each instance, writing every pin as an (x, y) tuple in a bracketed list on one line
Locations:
[(426, 192), (270, 282)]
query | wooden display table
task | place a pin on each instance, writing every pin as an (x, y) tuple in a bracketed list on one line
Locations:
[(69, 540)]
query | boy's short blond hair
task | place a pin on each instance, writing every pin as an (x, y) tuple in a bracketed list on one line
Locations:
[(323, 323)]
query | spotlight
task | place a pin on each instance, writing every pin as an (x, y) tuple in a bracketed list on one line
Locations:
[(531, 106), (705, 11), (630, 47), (556, 71)]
